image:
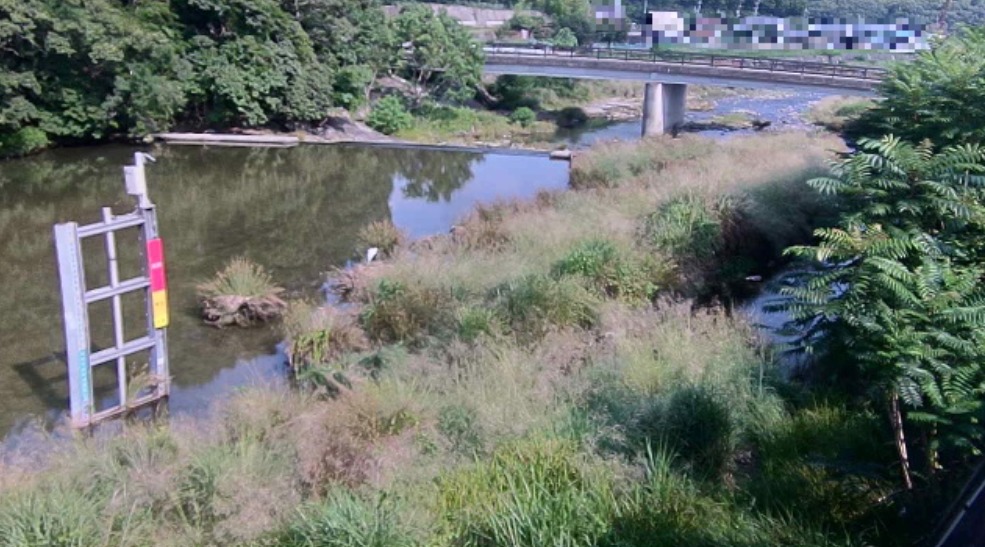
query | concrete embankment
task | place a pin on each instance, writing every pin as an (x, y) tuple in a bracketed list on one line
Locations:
[(215, 139)]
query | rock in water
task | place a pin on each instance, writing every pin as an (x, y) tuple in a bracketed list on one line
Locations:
[(225, 311)]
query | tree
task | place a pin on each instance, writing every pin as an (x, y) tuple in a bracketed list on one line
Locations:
[(523, 116), (444, 58), (351, 36), (250, 58), (937, 96), (565, 38), (389, 116), (893, 302), (77, 71)]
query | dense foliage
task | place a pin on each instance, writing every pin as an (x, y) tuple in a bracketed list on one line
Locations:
[(76, 71), (937, 96), (894, 305)]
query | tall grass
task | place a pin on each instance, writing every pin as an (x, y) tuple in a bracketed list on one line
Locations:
[(836, 112), (382, 235), (537, 303), (344, 520), (240, 277), (317, 335)]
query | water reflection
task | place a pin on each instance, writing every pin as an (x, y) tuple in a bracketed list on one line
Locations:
[(297, 211)]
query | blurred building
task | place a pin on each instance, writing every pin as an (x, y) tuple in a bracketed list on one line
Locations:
[(794, 33)]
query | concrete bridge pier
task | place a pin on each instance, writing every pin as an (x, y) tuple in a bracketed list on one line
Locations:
[(664, 106)]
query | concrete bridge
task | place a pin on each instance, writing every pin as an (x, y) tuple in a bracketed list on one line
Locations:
[(667, 74)]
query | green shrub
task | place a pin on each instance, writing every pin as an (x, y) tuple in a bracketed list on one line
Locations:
[(241, 277), (317, 335), (459, 424), (343, 520), (684, 227), (389, 116), (535, 303), (383, 235), (571, 117), (400, 313), (699, 426), (523, 116), (534, 492), (475, 322), (514, 92), (609, 273), (349, 86), (55, 517), (22, 142), (565, 38)]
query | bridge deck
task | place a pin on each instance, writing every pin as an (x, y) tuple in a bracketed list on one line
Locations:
[(673, 67)]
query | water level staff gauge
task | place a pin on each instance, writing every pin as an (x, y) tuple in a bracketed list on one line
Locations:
[(82, 358)]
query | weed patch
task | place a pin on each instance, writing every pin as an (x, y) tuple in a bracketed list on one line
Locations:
[(345, 520), (401, 313), (382, 235), (536, 303), (610, 273), (319, 335)]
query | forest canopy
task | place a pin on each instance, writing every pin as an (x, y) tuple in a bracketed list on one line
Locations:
[(80, 71)]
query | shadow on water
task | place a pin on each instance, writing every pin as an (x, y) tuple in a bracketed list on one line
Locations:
[(297, 211)]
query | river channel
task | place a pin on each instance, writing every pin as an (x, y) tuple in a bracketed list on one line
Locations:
[(294, 210)]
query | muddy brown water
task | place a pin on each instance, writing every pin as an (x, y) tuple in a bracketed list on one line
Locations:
[(296, 211)]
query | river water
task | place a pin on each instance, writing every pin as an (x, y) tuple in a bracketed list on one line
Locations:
[(294, 210), (784, 111)]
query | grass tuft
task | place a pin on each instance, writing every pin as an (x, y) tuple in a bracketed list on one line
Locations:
[(319, 335), (242, 294), (383, 235), (610, 273), (403, 313), (345, 520), (535, 304)]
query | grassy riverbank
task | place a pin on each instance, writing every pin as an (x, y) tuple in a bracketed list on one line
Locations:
[(513, 383)]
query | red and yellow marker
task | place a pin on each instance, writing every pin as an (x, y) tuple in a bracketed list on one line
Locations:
[(158, 282)]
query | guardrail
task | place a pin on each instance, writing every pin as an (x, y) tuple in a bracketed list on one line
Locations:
[(785, 66)]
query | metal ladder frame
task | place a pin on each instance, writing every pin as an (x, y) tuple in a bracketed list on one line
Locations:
[(76, 298)]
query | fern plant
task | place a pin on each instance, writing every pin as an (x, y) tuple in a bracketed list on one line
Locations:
[(893, 292)]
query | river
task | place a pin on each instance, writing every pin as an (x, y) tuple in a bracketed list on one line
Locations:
[(296, 211)]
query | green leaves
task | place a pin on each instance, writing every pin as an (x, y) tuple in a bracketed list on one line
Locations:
[(76, 71), (443, 54), (937, 96), (893, 292)]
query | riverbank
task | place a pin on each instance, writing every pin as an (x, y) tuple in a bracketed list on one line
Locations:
[(513, 383), (603, 104)]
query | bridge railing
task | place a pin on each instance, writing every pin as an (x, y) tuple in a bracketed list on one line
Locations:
[(787, 66)]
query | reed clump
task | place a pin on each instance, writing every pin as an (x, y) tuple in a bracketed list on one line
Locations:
[(382, 235), (241, 294)]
